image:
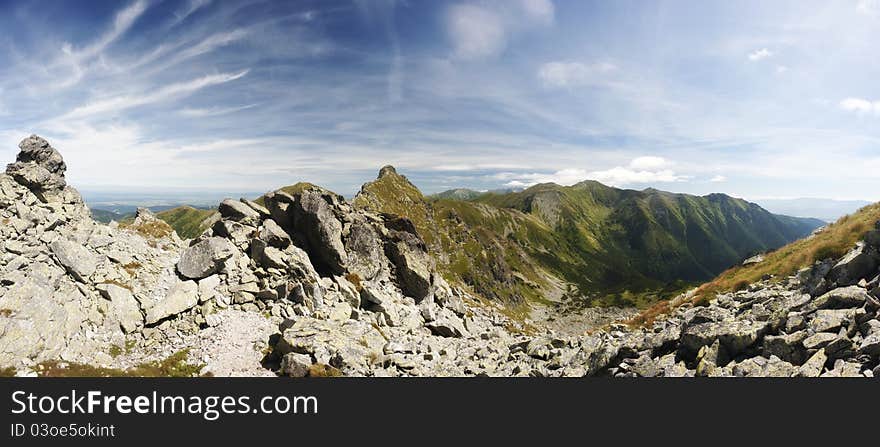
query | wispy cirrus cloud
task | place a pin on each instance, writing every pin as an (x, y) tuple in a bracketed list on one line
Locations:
[(170, 92), (214, 111), (572, 74)]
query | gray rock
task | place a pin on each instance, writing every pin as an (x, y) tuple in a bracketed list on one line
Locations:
[(272, 234), (182, 297), (321, 230), (39, 167), (861, 262), (410, 257), (819, 340), (260, 209), (374, 295), (787, 347), (825, 320), (852, 296), (237, 211), (205, 258), (871, 345), (78, 260), (125, 307), (266, 256), (295, 365), (208, 288), (447, 324), (814, 365), (340, 312), (735, 336), (710, 358)]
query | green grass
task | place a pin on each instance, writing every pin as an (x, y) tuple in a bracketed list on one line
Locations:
[(187, 221), (153, 229), (173, 366)]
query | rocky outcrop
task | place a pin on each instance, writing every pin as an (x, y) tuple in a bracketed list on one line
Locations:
[(69, 287), (40, 168)]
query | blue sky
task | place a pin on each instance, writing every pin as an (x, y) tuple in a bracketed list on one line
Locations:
[(757, 99)]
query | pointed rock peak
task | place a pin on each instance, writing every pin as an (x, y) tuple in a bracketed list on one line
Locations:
[(387, 170), (39, 167), (35, 149)]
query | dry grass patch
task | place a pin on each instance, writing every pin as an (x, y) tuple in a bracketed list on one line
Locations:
[(831, 242)]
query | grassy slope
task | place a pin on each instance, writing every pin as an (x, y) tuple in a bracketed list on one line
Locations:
[(649, 238), (187, 221), (830, 242)]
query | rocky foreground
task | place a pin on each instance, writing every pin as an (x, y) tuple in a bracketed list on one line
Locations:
[(300, 283)]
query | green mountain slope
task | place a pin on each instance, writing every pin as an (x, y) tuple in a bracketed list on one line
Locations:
[(187, 221), (457, 194), (586, 239)]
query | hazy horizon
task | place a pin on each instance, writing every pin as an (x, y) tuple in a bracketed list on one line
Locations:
[(752, 99)]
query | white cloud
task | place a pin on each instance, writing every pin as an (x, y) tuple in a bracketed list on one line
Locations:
[(475, 31), (641, 170), (758, 55), (484, 29), (570, 74), (718, 179), (780, 69), (212, 42), (123, 21), (170, 92), (193, 6), (868, 7), (620, 176), (213, 111), (860, 105)]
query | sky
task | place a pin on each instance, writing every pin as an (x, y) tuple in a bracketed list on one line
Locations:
[(755, 99)]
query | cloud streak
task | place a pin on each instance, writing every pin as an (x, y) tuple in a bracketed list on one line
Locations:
[(168, 93)]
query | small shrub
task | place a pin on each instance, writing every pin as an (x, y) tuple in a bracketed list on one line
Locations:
[(322, 370), (828, 251), (355, 279), (115, 351), (5, 313), (132, 267), (740, 285)]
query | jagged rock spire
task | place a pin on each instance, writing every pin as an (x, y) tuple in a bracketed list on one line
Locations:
[(39, 167), (387, 170)]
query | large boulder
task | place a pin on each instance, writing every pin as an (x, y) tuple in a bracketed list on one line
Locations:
[(205, 258), (860, 263), (78, 260), (124, 306), (851, 296), (272, 233), (410, 256), (237, 211), (321, 230), (182, 297)]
